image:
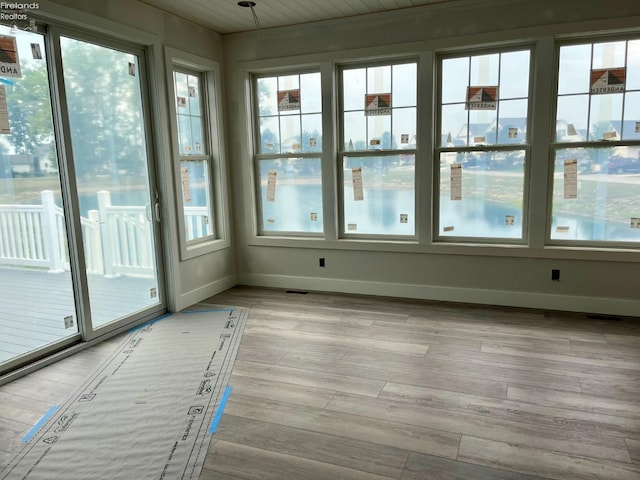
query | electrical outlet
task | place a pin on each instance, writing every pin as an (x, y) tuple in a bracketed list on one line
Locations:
[(321, 261), (555, 275)]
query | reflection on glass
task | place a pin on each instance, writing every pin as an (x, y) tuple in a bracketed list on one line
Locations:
[(608, 195), (388, 195), (491, 195), (294, 203)]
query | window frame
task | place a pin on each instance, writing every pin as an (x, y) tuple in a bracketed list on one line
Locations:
[(342, 153), (209, 75), (437, 236), (555, 145), (259, 156)]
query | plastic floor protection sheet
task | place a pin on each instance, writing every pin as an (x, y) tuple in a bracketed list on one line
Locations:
[(145, 413)]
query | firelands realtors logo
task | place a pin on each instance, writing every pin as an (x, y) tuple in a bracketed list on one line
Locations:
[(16, 11)]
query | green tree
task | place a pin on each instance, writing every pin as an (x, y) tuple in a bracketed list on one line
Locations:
[(104, 118), (29, 107)]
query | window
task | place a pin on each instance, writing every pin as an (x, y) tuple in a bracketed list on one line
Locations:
[(483, 145), (195, 172), (197, 150), (289, 149), (596, 179), (378, 149)]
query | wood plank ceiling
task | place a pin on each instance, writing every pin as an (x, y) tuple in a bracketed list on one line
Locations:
[(225, 16)]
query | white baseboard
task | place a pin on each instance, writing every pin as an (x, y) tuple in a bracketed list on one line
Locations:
[(202, 293), (544, 301)]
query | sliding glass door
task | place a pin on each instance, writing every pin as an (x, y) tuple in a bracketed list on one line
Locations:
[(36, 291), (110, 157), (79, 223)]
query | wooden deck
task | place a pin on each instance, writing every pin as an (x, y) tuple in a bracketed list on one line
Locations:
[(355, 388), (34, 304)]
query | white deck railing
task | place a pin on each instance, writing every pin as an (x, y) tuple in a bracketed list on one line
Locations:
[(117, 239)]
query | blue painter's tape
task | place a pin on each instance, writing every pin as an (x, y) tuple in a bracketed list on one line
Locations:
[(209, 310), (218, 415), (151, 322), (39, 425), (4, 80)]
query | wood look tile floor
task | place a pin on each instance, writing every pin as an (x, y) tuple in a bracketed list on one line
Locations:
[(330, 386)]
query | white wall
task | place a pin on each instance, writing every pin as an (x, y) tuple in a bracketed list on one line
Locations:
[(598, 281), (197, 278)]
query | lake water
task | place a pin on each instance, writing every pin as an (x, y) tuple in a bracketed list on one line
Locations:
[(381, 209), (298, 208)]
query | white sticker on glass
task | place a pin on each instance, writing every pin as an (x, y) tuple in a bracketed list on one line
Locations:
[(186, 186), (271, 186), (5, 129), (571, 178), (358, 190), (456, 181), (36, 52)]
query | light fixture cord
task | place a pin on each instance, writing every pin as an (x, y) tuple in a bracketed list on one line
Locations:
[(255, 18)]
